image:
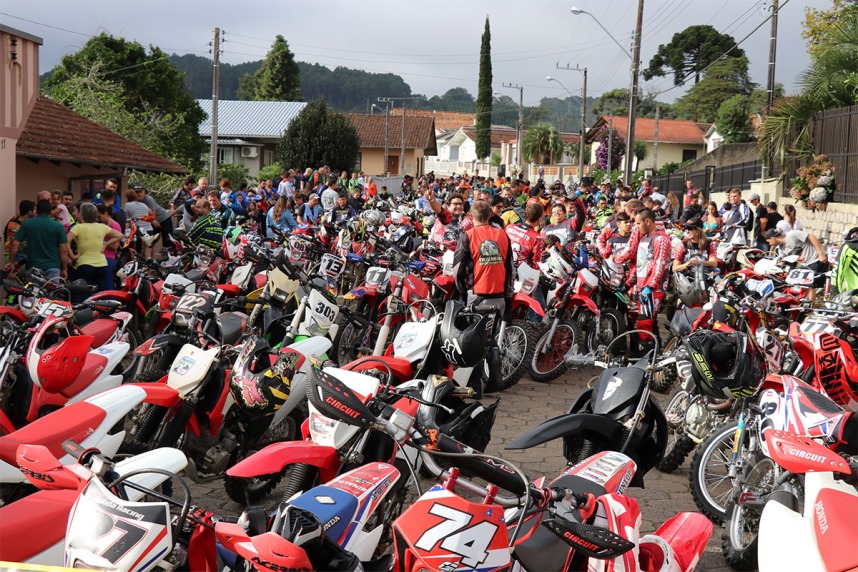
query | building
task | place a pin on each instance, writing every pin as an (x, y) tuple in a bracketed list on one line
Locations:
[(678, 140), (376, 132), (457, 150), (45, 146), (444, 120), (248, 131)]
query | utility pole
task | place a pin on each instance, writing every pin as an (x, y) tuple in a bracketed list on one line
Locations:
[(518, 127), (633, 96), (386, 134), (655, 143), (402, 151), (610, 145), (773, 49), (583, 117), (215, 81)]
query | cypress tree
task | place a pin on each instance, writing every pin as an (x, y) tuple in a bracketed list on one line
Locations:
[(484, 97)]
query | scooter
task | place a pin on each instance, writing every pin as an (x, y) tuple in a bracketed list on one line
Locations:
[(819, 530)]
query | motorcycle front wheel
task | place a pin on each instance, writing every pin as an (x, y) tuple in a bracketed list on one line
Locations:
[(518, 345), (679, 444), (711, 484), (547, 362), (741, 529)]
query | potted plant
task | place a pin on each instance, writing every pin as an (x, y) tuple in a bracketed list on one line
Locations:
[(814, 184)]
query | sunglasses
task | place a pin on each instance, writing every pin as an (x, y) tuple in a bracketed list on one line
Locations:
[(456, 204)]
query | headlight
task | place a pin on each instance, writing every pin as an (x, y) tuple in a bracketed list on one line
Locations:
[(181, 320), (320, 424)]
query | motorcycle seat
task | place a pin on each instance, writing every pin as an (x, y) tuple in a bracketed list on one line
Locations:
[(195, 275), (83, 316), (101, 330), (318, 501), (231, 326), (75, 421), (34, 523)]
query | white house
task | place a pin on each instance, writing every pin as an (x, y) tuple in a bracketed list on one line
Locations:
[(248, 131), (712, 139), (457, 150)]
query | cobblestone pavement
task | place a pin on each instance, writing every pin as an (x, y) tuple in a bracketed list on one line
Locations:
[(521, 407)]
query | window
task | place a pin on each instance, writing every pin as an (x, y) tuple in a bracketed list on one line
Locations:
[(359, 161), (689, 154), (225, 155), (269, 157), (454, 153)]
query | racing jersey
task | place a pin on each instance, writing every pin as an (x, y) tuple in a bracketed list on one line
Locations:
[(684, 251), (527, 245), (338, 214), (483, 262), (651, 254), (447, 228)]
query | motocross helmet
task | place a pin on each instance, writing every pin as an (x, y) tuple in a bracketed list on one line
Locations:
[(357, 230), (396, 216), (464, 335), (851, 234), (688, 290), (726, 364), (373, 217), (258, 385), (555, 266), (60, 365)]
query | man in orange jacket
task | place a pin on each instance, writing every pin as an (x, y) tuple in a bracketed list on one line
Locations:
[(484, 274)]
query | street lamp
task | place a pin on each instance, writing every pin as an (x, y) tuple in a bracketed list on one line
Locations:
[(374, 107), (581, 140), (635, 58)]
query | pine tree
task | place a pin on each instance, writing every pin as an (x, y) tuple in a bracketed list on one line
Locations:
[(484, 97), (278, 78)]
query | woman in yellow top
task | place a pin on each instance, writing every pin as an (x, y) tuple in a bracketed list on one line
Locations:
[(92, 238)]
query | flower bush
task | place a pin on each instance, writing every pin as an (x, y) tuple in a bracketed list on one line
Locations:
[(814, 184)]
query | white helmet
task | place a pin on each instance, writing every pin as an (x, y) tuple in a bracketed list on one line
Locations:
[(396, 216), (373, 217), (555, 267)]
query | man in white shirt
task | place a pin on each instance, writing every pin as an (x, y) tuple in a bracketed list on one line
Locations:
[(286, 188), (811, 254), (330, 195)]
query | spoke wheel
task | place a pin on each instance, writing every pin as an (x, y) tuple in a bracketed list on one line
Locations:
[(547, 362), (741, 529), (711, 484), (679, 444)]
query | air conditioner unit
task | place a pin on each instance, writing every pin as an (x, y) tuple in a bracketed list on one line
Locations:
[(249, 152)]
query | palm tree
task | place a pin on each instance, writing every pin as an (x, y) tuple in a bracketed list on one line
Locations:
[(830, 82), (640, 153), (541, 144)]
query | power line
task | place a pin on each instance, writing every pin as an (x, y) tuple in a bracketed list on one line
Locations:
[(46, 25)]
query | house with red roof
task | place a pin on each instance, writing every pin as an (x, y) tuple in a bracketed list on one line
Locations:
[(676, 140)]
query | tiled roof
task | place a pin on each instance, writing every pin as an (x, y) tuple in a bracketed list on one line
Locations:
[(56, 133), (250, 119), (444, 120), (419, 131), (500, 134), (669, 130)]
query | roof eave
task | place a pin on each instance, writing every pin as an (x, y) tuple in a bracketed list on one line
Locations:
[(177, 170)]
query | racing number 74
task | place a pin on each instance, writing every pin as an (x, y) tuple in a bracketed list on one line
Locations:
[(471, 543)]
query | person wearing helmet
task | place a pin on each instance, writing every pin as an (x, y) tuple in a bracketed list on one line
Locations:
[(811, 254), (650, 248), (726, 364), (483, 269)]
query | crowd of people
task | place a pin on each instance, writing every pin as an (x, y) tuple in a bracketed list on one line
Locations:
[(493, 224)]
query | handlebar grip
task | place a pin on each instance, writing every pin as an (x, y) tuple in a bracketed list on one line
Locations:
[(495, 473), (483, 309)]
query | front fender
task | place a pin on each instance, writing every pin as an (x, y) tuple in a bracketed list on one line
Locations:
[(583, 301), (121, 296), (521, 300), (13, 313), (159, 342), (6, 425), (568, 424), (277, 456)]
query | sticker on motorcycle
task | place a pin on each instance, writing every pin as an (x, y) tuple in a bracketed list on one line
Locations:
[(455, 536), (184, 365), (332, 265)]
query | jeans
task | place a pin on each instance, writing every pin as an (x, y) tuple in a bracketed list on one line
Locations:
[(110, 276), (93, 275), (51, 273), (539, 295)]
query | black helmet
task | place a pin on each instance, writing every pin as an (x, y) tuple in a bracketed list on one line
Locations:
[(257, 384), (726, 364), (464, 335)]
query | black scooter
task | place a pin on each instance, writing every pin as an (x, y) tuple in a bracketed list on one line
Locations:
[(619, 413)]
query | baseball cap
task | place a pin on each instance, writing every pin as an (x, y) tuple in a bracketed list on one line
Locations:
[(754, 196), (314, 195), (773, 232), (695, 222)]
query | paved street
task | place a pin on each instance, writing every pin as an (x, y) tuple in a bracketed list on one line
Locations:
[(522, 407)]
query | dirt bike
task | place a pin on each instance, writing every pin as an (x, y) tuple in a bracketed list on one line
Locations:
[(819, 524), (33, 529)]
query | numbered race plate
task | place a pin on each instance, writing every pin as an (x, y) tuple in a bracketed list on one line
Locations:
[(800, 277), (331, 265), (377, 276), (321, 313), (815, 325), (47, 308), (833, 251), (192, 301)]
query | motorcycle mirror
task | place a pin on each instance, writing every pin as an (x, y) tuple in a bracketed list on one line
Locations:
[(44, 470), (592, 541)]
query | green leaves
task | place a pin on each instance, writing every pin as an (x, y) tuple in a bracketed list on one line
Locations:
[(733, 120), (277, 79), (722, 81), (484, 96), (318, 137), (541, 144), (689, 53)]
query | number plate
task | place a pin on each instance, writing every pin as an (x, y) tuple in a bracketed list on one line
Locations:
[(761, 287), (190, 302), (376, 276), (332, 265), (46, 308), (800, 277)]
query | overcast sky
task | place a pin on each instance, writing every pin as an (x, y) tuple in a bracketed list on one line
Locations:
[(433, 45)]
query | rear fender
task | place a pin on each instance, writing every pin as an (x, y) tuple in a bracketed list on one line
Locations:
[(159, 342), (583, 301), (158, 393), (687, 534), (277, 456), (13, 313), (773, 381), (400, 368), (567, 424), (523, 300)]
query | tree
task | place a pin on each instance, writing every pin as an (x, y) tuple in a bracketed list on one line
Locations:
[(484, 96), (723, 80), (246, 87), (618, 149), (616, 101), (573, 150), (690, 52), (318, 137), (278, 78), (734, 120), (817, 23), (541, 144), (149, 84), (640, 153)]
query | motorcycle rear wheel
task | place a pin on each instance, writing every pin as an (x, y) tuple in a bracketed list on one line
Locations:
[(663, 380), (679, 444), (612, 324), (549, 365), (518, 344)]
